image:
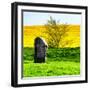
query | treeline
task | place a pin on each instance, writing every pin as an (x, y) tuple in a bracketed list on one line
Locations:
[(54, 53)]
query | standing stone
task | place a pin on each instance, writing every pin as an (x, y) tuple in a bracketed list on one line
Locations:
[(40, 50)]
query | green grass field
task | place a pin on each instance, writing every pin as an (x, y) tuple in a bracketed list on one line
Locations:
[(61, 61)]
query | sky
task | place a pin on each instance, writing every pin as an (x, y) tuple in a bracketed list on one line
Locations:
[(40, 18)]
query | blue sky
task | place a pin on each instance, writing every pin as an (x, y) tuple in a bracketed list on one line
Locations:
[(37, 18)]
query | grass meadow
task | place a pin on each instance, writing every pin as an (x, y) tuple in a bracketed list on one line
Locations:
[(59, 61)]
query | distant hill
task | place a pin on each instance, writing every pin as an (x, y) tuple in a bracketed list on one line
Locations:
[(31, 32)]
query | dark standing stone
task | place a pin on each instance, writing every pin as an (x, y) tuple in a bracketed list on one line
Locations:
[(40, 50)]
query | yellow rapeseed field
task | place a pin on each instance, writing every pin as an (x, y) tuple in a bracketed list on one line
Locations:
[(31, 32)]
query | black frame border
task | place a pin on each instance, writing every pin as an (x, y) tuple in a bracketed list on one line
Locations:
[(14, 43)]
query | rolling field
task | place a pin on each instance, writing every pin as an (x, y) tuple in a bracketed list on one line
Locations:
[(61, 61), (31, 32)]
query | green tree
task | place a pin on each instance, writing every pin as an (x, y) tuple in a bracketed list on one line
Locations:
[(55, 32)]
